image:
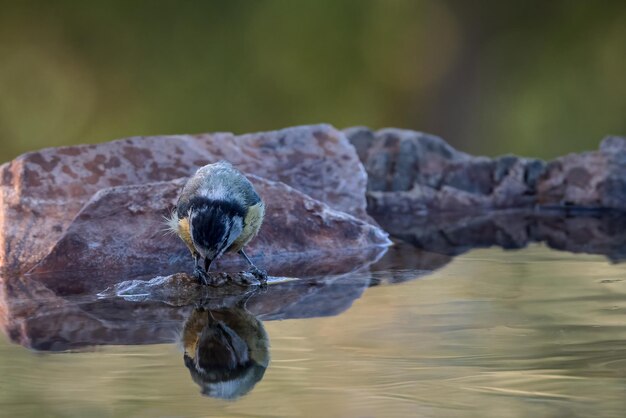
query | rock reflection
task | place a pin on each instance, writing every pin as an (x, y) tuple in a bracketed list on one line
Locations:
[(575, 230), (226, 350), (138, 312)]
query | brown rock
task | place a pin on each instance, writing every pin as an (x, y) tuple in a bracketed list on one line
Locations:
[(574, 180), (412, 172), (590, 180), (41, 192), (120, 233)]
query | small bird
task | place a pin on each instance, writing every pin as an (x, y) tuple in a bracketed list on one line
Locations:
[(226, 350), (218, 211)]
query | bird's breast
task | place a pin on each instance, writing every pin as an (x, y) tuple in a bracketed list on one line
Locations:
[(252, 224)]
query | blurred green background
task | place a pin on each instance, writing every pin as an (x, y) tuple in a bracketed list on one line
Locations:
[(532, 77)]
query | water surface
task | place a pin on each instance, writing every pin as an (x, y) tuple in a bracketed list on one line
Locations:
[(492, 333)]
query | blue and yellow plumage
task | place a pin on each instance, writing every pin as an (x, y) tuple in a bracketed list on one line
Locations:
[(218, 211)]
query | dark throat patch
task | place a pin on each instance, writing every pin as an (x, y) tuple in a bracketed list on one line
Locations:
[(211, 222)]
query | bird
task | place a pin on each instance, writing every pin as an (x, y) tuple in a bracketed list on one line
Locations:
[(226, 350), (218, 211)]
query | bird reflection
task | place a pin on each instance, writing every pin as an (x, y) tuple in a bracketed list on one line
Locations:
[(226, 350)]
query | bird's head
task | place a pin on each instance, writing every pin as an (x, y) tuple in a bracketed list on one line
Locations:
[(229, 354), (214, 225)]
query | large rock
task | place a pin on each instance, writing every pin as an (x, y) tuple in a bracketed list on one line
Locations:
[(415, 173), (41, 192), (120, 233)]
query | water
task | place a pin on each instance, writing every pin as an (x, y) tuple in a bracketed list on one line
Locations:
[(491, 333)]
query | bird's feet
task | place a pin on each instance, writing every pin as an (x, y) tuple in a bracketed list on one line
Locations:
[(260, 275), (201, 275)]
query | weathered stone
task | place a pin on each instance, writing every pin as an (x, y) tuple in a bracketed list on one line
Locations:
[(590, 180), (533, 170), (476, 178), (182, 289), (411, 171), (120, 233), (41, 192), (504, 164), (362, 139), (397, 158), (569, 181), (317, 160), (514, 189), (614, 147)]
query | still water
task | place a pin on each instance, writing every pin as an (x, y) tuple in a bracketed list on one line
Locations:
[(491, 333)]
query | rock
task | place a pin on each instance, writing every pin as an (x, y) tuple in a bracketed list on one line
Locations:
[(298, 298), (41, 192), (574, 180), (181, 289), (120, 233), (590, 180), (362, 139), (613, 147), (397, 159), (413, 172)]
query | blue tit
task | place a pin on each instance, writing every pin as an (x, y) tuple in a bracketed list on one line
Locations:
[(226, 351), (218, 211)]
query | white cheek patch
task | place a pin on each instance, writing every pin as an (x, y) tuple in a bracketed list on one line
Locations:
[(235, 230)]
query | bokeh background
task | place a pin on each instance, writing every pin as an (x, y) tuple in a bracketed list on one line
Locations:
[(532, 77)]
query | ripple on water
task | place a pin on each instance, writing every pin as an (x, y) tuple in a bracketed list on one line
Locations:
[(491, 333)]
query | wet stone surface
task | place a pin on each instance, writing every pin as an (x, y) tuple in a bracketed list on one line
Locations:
[(121, 229)]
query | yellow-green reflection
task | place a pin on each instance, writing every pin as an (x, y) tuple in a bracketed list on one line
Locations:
[(226, 350), (494, 333)]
